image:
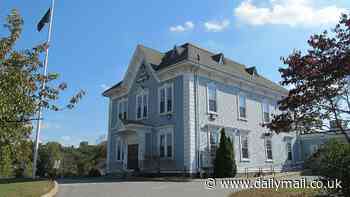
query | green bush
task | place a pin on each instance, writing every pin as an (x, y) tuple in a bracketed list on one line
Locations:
[(224, 163), (332, 162)]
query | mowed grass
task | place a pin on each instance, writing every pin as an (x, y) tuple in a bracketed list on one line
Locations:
[(24, 188), (274, 193)]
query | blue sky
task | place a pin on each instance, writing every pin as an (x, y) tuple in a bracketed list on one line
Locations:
[(93, 42)]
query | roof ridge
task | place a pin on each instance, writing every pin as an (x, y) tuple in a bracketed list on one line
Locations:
[(208, 51)]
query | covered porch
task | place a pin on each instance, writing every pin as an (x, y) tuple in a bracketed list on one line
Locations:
[(130, 145)]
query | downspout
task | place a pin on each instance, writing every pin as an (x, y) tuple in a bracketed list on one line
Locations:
[(196, 118)]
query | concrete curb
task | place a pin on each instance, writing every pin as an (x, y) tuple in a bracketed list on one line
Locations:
[(53, 191)]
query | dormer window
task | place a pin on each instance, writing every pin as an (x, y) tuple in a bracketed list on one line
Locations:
[(174, 52), (252, 71), (219, 58)]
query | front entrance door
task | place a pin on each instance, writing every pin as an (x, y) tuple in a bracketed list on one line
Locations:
[(133, 159)]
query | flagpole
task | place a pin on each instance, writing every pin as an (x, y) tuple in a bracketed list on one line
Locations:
[(38, 126)]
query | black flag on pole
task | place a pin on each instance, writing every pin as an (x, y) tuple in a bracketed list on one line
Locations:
[(45, 19)]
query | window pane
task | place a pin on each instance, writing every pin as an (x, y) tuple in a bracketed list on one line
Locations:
[(125, 109), (118, 151), (242, 101), (212, 106), (169, 99), (242, 106), (245, 151), (266, 117), (148, 142), (268, 149), (139, 105), (162, 101), (145, 105), (120, 111), (162, 146), (212, 92), (214, 138), (169, 145), (289, 151), (212, 98), (122, 151), (114, 113), (242, 112), (266, 112)]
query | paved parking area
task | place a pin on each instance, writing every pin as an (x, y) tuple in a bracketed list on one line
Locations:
[(158, 187), (138, 188)]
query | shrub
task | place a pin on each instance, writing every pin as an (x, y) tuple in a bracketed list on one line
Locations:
[(94, 172), (332, 162), (224, 163)]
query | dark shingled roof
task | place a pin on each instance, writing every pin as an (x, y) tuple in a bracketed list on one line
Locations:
[(111, 88), (188, 51)]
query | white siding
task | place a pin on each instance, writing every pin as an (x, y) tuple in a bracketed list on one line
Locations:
[(189, 124)]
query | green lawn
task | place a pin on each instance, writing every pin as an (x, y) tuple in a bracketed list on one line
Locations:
[(24, 188), (274, 193)]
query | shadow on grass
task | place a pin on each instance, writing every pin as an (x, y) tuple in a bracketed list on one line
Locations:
[(20, 180)]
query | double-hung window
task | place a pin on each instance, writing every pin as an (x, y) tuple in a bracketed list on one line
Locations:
[(244, 147), (268, 148), (166, 143), (214, 138), (242, 105), (266, 112), (166, 98), (122, 109), (212, 98), (142, 106)]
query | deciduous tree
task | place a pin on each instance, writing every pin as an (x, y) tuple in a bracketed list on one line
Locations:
[(21, 92), (319, 84)]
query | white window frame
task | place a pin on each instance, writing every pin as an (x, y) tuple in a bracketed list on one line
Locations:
[(165, 86), (241, 146), (165, 131), (266, 151), (263, 105), (143, 104), (239, 105), (122, 102), (216, 98)]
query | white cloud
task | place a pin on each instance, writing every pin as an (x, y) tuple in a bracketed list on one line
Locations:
[(104, 86), (216, 26), (288, 12), (181, 28)]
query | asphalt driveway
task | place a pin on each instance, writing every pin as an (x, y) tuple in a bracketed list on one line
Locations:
[(115, 188)]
